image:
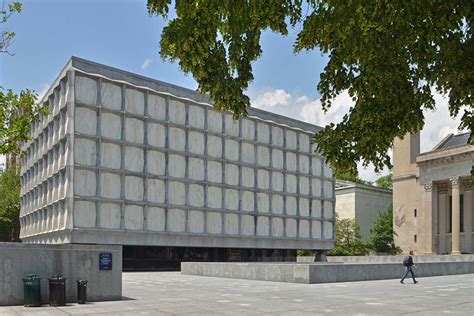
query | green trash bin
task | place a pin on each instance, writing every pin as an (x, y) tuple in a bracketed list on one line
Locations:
[(32, 290)]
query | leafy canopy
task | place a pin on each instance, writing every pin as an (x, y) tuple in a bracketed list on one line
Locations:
[(385, 182), (391, 56), (17, 111), (382, 234), (9, 203), (348, 239)]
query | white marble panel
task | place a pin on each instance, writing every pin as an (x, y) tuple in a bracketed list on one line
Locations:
[(263, 133), (304, 185), (304, 164), (291, 205), (277, 159), (305, 142), (291, 184), (277, 227), (111, 96), (134, 159), (156, 219), (156, 135), (316, 208), (231, 149), (316, 187), (248, 129), (277, 181), (133, 188), (134, 101), (86, 90), (156, 191), (110, 185), (263, 156), (196, 143), (111, 155), (231, 174), (231, 126), (304, 207), (196, 116), (110, 215), (176, 220), (196, 169), (214, 197), (247, 227), (304, 228), (231, 224), (196, 222), (176, 166), (176, 193), (156, 162), (263, 202), (177, 112), (133, 217), (84, 214), (214, 171), (328, 189), (291, 228), (85, 121), (327, 171), (263, 226), (214, 146), (248, 177), (231, 199), (316, 229), (263, 179), (277, 136), (248, 203), (248, 153), (291, 162), (111, 126), (214, 223), (214, 121), (85, 151), (327, 230), (177, 138), (316, 166), (291, 140), (134, 130), (196, 195), (156, 107), (84, 182), (328, 209), (277, 204)]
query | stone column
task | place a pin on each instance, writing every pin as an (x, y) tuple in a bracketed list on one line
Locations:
[(455, 249), (468, 209), (442, 210), (429, 214)]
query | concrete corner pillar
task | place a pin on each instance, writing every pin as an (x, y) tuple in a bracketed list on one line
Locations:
[(456, 212), (430, 213)]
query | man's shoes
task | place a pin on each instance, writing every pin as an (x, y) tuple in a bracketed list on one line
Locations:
[(416, 282), (402, 282)]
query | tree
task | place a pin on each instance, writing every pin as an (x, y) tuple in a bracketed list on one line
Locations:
[(385, 182), (391, 57), (10, 204), (348, 239), (382, 234), (17, 111)]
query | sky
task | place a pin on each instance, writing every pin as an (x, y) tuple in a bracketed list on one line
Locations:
[(121, 34)]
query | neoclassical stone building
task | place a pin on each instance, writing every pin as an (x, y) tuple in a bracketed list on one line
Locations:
[(433, 195)]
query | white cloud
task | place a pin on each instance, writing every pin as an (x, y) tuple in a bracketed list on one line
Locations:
[(146, 64), (438, 123)]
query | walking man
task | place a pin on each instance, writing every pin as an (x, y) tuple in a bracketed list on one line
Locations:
[(409, 264)]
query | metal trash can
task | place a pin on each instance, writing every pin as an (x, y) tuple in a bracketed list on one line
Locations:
[(57, 291), (81, 291), (32, 290)]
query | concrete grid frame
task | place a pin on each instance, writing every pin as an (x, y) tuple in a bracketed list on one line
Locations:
[(124, 159)]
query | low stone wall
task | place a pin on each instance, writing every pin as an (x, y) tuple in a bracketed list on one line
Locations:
[(71, 261), (389, 259), (320, 272)]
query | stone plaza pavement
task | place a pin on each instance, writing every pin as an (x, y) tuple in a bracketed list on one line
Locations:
[(170, 293)]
